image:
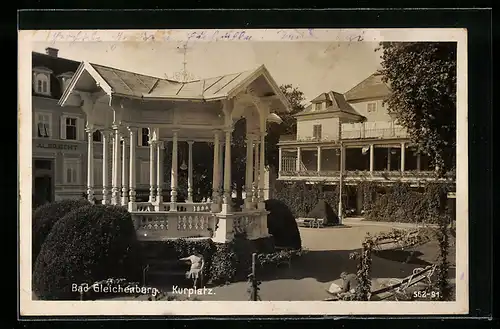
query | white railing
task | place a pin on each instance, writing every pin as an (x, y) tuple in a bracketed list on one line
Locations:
[(396, 132), (289, 163), (166, 206), (168, 224), (244, 223), (159, 225)]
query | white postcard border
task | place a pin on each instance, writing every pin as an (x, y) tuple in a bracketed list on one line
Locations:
[(29, 307)]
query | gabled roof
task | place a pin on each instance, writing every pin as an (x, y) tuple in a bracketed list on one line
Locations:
[(371, 87), (338, 105), (135, 85)]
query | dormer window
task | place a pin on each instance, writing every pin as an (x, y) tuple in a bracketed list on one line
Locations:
[(317, 106), (371, 107), (65, 79), (41, 80)]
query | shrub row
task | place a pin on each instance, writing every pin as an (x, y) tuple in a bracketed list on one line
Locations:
[(44, 218), (90, 243), (395, 203), (402, 204), (301, 197)]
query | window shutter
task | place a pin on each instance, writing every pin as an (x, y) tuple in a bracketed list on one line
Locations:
[(80, 129), (63, 127)]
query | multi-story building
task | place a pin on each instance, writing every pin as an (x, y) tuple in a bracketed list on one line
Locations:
[(354, 136), (59, 137)]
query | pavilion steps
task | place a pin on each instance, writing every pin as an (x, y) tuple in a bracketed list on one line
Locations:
[(161, 272)]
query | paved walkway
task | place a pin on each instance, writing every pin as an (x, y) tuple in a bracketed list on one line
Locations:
[(327, 256), (312, 274)]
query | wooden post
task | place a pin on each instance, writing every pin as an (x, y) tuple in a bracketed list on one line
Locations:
[(254, 278)]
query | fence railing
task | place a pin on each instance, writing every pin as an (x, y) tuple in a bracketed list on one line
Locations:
[(387, 133), (385, 174)]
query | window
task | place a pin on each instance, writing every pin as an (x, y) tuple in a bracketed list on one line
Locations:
[(72, 169), (41, 80), (144, 137), (97, 136), (371, 107), (97, 172), (317, 106), (43, 126), (71, 128), (317, 131), (144, 175)]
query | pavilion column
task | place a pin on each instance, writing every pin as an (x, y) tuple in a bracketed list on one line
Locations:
[(90, 165), (226, 201), (105, 170), (372, 158), (262, 170), (133, 170), (125, 175), (280, 159), (216, 173), (388, 159), (220, 178), (173, 172), (403, 149), (318, 165), (115, 191), (299, 160), (190, 171), (152, 166), (159, 171), (255, 195), (249, 172)]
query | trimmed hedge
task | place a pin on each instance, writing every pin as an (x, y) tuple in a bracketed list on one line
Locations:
[(402, 204), (89, 244), (301, 198), (395, 203), (281, 225), (44, 218)]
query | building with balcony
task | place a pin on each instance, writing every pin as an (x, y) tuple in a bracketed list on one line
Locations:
[(352, 137)]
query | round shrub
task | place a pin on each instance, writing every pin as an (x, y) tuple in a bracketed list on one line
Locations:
[(44, 218), (282, 225), (89, 244)]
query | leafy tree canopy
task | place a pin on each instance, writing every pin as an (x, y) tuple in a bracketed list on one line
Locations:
[(422, 77)]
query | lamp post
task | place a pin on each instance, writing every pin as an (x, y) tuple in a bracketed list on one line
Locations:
[(341, 179)]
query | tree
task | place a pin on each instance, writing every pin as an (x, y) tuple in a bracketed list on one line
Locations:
[(422, 78)]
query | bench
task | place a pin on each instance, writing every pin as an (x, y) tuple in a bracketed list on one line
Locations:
[(399, 286), (310, 222)]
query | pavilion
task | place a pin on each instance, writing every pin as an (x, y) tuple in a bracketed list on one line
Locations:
[(118, 103)]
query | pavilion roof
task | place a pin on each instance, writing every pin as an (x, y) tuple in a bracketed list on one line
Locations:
[(130, 84)]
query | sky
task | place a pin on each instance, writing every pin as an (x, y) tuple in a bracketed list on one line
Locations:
[(312, 66)]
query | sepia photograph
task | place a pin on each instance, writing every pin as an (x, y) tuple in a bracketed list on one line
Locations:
[(243, 172)]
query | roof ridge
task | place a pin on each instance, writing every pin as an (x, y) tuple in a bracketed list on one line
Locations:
[(56, 58), (359, 83), (136, 73)]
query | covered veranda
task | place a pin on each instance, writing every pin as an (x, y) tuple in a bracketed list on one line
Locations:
[(120, 103)]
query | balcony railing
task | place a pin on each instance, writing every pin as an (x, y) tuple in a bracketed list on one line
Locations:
[(385, 133), (366, 174)]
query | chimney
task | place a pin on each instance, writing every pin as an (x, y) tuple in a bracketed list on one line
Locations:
[(51, 51)]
